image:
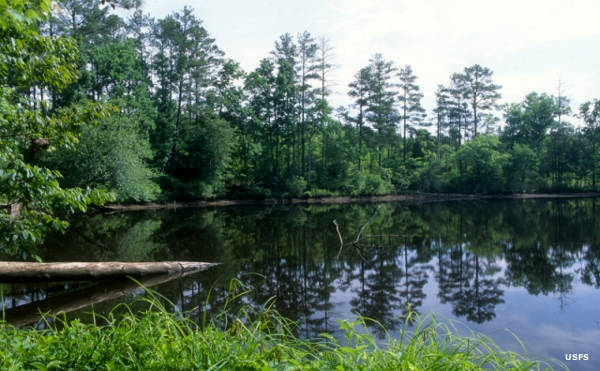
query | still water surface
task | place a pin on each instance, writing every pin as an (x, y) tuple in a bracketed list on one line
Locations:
[(532, 266)]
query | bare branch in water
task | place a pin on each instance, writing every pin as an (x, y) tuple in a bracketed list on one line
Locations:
[(357, 240), (358, 252), (337, 228), (365, 226)]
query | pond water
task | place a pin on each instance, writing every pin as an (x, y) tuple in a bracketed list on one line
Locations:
[(532, 266)]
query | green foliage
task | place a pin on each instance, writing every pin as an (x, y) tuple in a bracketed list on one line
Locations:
[(31, 198), (429, 178), (521, 171), (111, 156), (28, 58), (559, 157), (528, 122), (411, 112), (203, 161), (590, 112), (370, 183), (295, 186), (480, 165), (257, 340), (480, 93), (115, 155)]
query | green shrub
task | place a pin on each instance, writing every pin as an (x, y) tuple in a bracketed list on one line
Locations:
[(295, 186), (318, 192)]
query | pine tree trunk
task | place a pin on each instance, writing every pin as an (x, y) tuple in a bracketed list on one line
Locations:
[(404, 128), (475, 123), (360, 137), (309, 163), (593, 164), (177, 128), (439, 124), (303, 128)]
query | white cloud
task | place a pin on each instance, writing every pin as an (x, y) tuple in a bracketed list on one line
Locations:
[(529, 44)]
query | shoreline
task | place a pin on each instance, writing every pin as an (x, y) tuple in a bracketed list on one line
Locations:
[(341, 200)]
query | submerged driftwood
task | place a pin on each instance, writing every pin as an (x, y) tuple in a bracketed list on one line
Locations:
[(72, 301), (92, 271)]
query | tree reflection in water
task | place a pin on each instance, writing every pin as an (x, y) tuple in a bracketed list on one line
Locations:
[(464, 254)]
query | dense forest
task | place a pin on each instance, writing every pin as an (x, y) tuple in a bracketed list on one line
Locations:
[(101, 104), (190, 124)]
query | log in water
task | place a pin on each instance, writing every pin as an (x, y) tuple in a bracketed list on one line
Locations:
[(72, 301), (92, 271)]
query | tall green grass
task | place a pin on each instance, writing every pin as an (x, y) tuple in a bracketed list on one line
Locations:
[(157, 339)]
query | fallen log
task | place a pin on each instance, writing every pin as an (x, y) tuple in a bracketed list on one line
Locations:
[(92, 271), (72, 301)]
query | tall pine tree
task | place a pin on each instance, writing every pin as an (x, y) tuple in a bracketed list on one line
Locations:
[(411, 112)]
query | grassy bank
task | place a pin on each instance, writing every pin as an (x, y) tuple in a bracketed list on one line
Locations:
[(158, 340)]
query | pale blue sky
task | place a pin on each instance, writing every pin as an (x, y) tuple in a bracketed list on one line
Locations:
[(529, 44)]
